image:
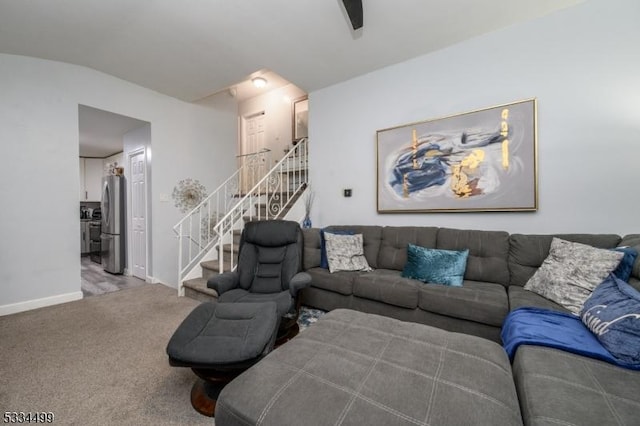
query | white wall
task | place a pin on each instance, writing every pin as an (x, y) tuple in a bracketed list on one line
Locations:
[(277, 106), (39, 256), (581, 63)]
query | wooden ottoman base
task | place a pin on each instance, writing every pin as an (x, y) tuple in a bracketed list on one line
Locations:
[(205, 390)]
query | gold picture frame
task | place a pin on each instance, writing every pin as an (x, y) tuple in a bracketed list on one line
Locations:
[(300, 118), (482, 160)]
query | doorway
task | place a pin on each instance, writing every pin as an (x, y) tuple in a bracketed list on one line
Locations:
[(114, 144)]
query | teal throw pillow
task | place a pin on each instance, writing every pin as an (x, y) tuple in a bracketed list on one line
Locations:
[(435, 266)]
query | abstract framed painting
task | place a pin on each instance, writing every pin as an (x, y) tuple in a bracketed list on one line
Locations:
[(483, 160)]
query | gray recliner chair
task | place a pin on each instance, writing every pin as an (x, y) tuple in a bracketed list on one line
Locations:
[(269, 270)]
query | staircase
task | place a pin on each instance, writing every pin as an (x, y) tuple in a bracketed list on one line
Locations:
[(196, 288), (209, 235)]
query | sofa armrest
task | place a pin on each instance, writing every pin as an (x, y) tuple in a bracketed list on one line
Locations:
[(298, 282), (223, 282)]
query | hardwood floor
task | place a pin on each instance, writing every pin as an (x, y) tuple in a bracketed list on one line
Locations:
[(95, 281)]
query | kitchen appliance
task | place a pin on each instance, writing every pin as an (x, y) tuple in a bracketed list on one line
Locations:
[(84, 213), (113, 229), (95, 241), (84, 238)]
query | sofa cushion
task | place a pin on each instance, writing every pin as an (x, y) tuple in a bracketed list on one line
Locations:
[(633, 240), (560, 388), (571, 271), (324, 260), (435, 266), (624, 269), (520, 298), (345, 253), (486, 303), (371, 239), (488, 253), (387, 286), (527, 252), (311, 248), (612, 313), (393, 247), (338, 282), (351, 368)]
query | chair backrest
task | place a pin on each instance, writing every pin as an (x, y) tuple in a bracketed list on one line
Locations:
[(270, 255)]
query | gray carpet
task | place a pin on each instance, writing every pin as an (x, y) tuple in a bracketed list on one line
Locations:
[(98, 361)]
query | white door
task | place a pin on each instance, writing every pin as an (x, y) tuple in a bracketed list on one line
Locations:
[(253, 142), (254, 131), (138, 216)]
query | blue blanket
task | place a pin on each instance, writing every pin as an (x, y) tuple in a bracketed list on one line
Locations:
[(533, 326)]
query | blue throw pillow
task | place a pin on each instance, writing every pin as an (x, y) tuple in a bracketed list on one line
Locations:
[(324, 260), (612, 313), (435, 266), (623, 271)]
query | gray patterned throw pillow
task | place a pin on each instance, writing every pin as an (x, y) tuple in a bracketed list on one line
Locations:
[(571, 271), (345, 253)]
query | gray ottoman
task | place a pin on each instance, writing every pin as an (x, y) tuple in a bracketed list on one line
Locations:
[(352, 368), (218, 341), (561, 388)]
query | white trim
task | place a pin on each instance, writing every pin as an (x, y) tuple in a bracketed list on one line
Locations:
[(39, 303)]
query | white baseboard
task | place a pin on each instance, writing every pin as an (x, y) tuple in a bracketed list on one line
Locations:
[(28, 305)]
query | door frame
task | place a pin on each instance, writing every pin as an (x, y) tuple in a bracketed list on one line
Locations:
[(147, 239)]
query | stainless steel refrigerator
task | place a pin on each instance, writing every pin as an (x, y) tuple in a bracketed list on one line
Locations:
[(113, 224)]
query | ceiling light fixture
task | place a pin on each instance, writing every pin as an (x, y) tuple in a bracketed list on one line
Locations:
[(259, 82)]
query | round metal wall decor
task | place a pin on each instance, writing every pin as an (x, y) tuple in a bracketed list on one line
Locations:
[(188, 193)]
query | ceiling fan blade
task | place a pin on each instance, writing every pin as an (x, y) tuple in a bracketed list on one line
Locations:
[(354, 10)]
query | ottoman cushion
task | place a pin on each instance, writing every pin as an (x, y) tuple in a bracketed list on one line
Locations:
[(224, 333), (353, 368), (560, 388)]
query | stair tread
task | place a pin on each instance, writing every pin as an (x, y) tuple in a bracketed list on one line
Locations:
[(213, 265), (200, 285), (227, 248)]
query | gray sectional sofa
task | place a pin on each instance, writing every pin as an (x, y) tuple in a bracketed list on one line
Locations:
[(357, 368), (498, 266), (553, 386)]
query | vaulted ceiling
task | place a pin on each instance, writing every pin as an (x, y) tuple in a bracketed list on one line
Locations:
[(193, 49)]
